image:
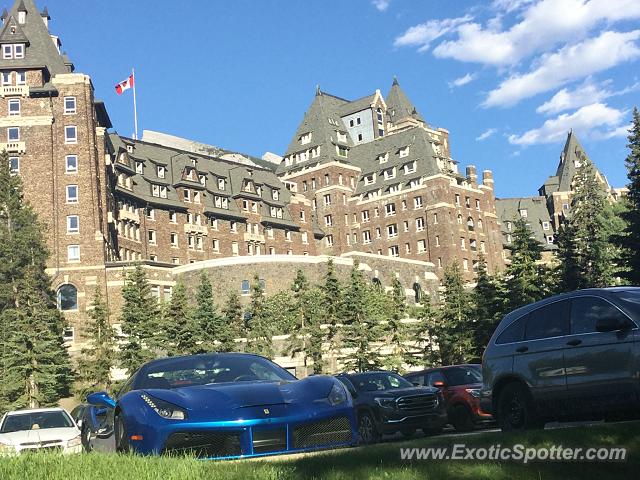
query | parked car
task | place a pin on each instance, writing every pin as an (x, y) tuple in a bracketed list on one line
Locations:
[(225, 405), (571, 355), (386, 403), (460, 385), (94, 432), (50, 429)]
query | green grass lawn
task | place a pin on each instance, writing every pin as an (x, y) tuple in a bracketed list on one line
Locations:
[(380, 461)]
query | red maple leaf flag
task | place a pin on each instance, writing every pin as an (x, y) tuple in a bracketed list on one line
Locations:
[(125, 85)]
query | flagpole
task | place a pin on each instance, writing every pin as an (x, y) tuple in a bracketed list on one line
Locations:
[(135, 107)]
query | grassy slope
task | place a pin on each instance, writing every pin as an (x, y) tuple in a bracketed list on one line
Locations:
[(381, 461)]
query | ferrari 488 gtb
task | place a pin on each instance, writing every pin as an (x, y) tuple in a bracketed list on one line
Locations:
[(222, 406)]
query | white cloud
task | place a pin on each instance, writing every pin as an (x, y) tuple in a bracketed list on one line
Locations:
[(423, 34), (483, 136), (381, 5), (580, 96), (569, 63), (587, 122), (510, 5), (461, 81)]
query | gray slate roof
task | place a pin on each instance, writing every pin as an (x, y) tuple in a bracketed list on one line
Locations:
[(508, 210), (41, 52), (399, 106)]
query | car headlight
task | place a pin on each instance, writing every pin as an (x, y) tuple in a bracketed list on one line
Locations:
[(6, 448), (164, 409), (337, 395), (385, 402), (474, 392), (74, 442)]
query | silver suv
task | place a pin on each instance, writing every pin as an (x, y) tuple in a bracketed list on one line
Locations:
[(575, 354)]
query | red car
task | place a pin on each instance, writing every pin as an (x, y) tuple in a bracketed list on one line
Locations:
[(460, 385)]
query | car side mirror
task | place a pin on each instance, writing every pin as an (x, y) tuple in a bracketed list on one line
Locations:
[(101, 399), (610, 324), (439, 384), (79, 423)]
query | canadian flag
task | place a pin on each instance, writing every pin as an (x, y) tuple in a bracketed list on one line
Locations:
[(125, 85)]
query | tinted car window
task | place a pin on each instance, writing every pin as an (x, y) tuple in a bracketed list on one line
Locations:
[(513, 333), (417, 379), (435, 377), (35, 421), (548, 321), (372, 382), (630, 302), (586, 311), (463, 375)]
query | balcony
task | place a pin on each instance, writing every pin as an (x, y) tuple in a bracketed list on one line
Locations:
[(127, 215), (194, 228), (254, 237), (14, 91), (13, 147)]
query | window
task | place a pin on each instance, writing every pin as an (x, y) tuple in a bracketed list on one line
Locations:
[(390, 209), (417, 202), (422, 246), (548, 321), (6, 78), (72, 194), (370, 179), (233, 226), (303, 217), (305, 238), (14, 107), (437, 240), (13, 134), (523, 213), (327, 199), (366, 237), (457, 200), (394, 251), (139, 168), (150, 213), (419, 224), (545, 225), (215, 244), (328, 220), (161, 171), (565, 206), (378, 232), (342, 151), (513, 333), (465, 264), (70, 134), (152, 237), (73, 253), (394, 188), (405, 226), (392, 230), (69, 105), (287, 235), (376, 212), (187, 195), (467, 202), (305, 138), (404, 152), (550, 239), (478, 205), (14, 165), (21, 78), (383, 158), (154, 258), (463, 243), (389, 173), (7, 51), (73, 224), (199, 243), (585, 312), (435, 218), (173, 217), (175, 260), (409, 167), (174, 239), (67, 298), (234, 249), (329, 240), (196, 197)]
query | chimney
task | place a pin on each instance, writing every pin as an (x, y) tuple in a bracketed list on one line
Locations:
[(487, 179), (472, 176)]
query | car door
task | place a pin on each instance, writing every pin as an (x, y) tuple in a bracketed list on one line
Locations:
[(539, 359), (599, 366)]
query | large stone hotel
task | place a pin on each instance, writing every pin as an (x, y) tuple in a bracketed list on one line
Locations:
[(366, 179)]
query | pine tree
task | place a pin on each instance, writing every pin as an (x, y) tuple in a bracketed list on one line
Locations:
[(629, 240), (424, 349), (259, 340), (139, 319), (452, 329), (94, 367), (234, 320), (525, 277), (362, 327), (333, 301), (179, 332), (587, 258), (396, 332), (489, 301), (35, 363), (207, 323)]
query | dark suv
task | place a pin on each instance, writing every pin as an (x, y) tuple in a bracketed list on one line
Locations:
[(572, 355), (386, 403), (460, 385)]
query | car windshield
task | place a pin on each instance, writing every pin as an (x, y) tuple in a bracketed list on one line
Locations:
[(209, 369), (463, 375), (630, 302), (373, 382), (17, 422)]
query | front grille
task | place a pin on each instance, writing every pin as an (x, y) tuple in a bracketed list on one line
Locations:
[(204, 444), (417, 403), (44, 448), (45, 443), (327, 432), (265, 441)]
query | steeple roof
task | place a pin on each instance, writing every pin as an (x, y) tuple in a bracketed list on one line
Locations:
[(41, 52), (399, 106)]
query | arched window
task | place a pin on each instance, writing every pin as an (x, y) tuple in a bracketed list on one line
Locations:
[(470, 224), (418, 291), (459, 219), (480, 223), (67, 298)]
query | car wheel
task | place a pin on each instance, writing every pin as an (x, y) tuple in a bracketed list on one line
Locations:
[(408, 432), (515, 409), (461, 418), (120, 433), (367, 429)]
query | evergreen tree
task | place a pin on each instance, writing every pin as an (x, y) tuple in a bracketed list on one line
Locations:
[(333, 301), (452, 329), (525, 277), (96, 362), (586, 254), (35, 363), (424, 349), (259, 340), (179, 333), (489, 301), (208, 324), (361, 328), (629, 240), (234, 320), (139, 320), (396, 332)]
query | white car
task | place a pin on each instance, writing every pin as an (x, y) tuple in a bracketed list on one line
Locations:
[(48, 429)]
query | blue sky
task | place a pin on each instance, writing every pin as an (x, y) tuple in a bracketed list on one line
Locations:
[(507, 78)]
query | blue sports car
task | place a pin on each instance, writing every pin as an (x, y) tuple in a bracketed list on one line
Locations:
[(224, 405)]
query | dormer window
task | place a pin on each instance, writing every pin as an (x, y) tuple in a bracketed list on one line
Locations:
[(139, 168), (342, 137), (390, 173), (221, 184), (305, 138), (383, 158), (370, 179), (18, 50), (22, 17), (161, 172), (342, 151), (275, 194), (404, 152), (7, 51)]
